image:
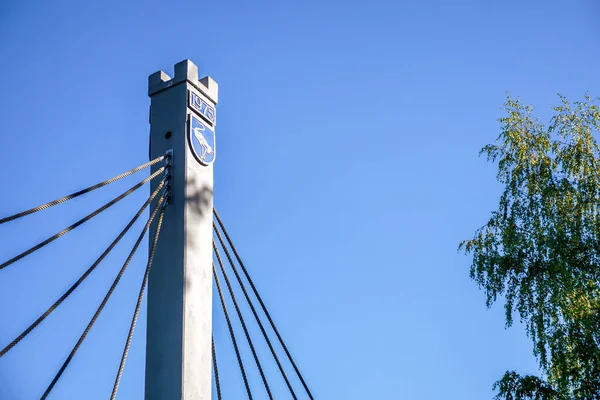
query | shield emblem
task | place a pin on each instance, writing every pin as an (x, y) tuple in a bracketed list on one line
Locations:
[(202, 141)]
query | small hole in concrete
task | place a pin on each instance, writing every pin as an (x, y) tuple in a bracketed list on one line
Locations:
[(168, 135)]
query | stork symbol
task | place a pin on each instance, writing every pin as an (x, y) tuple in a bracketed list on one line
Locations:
[(204, 146)]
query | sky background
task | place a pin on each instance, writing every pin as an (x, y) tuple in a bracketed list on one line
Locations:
[(348, 172)]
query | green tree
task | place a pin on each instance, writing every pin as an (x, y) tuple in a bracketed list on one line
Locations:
[(540, 250)]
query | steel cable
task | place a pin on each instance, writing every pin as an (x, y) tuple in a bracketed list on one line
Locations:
[(262, 329), (81, 221), (84, 276), (216, 370), (239, 313), (138, 305), (79, 193), (264, 308), (231, 334), (104, 301)]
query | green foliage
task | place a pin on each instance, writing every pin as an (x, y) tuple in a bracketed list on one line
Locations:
[(515, 387), (540, 250)]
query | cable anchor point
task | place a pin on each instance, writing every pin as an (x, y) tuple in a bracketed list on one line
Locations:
[(168, 177)]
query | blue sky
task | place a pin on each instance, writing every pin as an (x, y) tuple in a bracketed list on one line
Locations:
[(347, 174)]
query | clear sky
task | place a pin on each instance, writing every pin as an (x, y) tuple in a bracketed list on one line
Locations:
[(348, 172)]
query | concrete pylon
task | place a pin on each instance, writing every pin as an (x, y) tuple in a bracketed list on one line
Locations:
[(178, 347)]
